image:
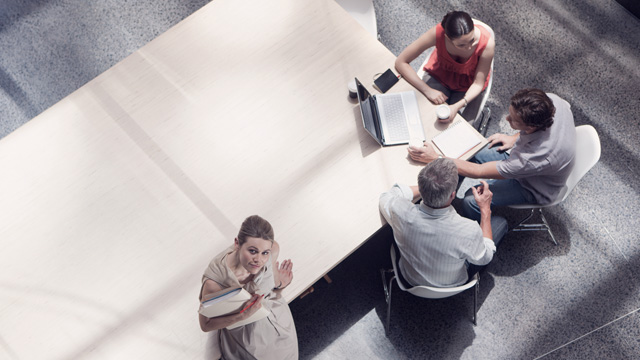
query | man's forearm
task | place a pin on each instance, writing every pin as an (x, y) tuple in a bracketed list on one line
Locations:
[(485, 223), (416, 192), (396, 192), (478, 171), (466, 168)]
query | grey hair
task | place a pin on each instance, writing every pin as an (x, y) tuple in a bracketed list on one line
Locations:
[(437, 181)]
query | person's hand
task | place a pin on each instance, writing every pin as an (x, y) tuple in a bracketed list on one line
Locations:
[(251, 306), (285, 273), (435, 96), (507, 141), (424, 154), (453, 111), (483, 196)]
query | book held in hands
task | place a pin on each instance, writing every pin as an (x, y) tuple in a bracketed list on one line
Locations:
[(230, 301)]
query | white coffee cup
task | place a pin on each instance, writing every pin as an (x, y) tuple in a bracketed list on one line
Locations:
[(353, 89), (443, 111)]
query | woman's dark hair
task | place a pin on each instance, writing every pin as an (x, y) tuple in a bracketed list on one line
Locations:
[(534, 108), (256, 227), (456, 24)]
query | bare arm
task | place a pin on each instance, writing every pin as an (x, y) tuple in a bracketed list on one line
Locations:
[(220, 322), (483, 197), (410, 53), (482, 71), (478, 171), (427, 154), (416, 192), (282, 273), (487, 170)]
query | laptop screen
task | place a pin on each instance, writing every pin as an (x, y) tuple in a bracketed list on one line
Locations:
[(367, 111)]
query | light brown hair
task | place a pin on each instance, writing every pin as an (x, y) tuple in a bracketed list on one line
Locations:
[(256, 227)]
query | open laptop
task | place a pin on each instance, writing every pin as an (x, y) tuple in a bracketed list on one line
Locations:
[(391, 119)]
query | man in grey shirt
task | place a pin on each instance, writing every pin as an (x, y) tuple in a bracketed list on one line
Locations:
[(540, 160), (436, 244)]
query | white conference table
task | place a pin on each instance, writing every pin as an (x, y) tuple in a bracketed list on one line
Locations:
[(115, 199)]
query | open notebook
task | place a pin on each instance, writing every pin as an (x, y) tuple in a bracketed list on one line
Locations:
[(456, 140)]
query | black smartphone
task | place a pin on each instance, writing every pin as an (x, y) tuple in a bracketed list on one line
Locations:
[(385, 81)]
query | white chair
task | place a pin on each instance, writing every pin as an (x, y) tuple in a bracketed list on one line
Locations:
[(587, 155), (428, 292), (363, 12), (481, 121)]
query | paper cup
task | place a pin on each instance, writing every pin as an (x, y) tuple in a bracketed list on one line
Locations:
[(353, 90), (443, 112)]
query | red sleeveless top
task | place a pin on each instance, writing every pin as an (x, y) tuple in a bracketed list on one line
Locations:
[(452, 74)]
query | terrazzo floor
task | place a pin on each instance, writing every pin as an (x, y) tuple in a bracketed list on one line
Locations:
[(577, 300)]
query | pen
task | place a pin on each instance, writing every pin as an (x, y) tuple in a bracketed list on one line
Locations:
[(250, 305)]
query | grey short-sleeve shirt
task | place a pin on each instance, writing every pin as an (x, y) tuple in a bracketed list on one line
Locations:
[(542, 161)]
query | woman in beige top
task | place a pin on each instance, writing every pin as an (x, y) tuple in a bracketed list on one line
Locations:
[(250, 264)]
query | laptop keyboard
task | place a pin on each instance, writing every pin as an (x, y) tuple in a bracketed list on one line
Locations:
[(394, 117)]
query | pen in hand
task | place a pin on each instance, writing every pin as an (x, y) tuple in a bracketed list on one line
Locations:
[(252, 303)]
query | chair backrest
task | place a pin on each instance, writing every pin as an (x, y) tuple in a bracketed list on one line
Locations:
[(587, 155), (487, 91), (493, 35), (424, 291), (487, 27)]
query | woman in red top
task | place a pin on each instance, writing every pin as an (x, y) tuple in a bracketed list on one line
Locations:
[(458, 70)]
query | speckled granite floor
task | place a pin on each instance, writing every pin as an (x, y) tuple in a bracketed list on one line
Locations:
[(577, 300)]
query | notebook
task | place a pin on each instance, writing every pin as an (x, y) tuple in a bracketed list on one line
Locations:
[(230, 301), (456, 140), (391, 119)]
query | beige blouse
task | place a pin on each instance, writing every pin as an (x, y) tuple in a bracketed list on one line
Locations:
[(273, 337)]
